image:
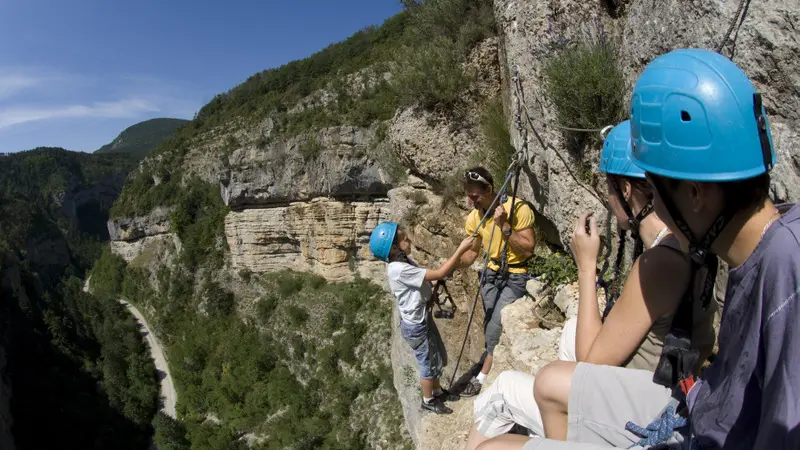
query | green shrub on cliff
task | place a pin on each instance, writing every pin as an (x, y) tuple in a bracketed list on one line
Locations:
[(440, 34), (586, 84)]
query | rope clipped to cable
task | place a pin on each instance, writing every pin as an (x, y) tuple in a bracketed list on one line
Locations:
[(513, 171), (727, 34), (543, 144)]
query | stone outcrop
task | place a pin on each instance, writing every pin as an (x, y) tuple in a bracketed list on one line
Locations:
[(131, 250), (323, 236), (433, 145), (332, 162), (134, 228)]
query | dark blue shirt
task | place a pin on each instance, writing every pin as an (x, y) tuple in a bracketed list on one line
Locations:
[(750, 396)]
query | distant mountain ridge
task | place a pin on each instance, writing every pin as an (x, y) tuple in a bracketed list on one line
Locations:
[(141, 138)]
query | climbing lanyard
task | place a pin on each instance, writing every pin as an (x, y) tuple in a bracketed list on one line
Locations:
[(441, 297)]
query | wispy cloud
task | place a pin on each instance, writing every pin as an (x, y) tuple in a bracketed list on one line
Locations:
[(12, 83), (128, 108), (38, 94)]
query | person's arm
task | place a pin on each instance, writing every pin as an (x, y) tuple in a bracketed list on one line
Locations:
[(469, 256), (522, 241), (451, 263), (520, 236), (654, 287)]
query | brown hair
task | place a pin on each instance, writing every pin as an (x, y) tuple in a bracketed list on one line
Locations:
[(637, 184), (395, 254), (468, 182), (745, 195)]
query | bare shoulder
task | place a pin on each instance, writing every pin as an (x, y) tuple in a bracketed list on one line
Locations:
[(663, 274)]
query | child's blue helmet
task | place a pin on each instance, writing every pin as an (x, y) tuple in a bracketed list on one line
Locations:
[(696, 116), (381, 239), (616, 155)]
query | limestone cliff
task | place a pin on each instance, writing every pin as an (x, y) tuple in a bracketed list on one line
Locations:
[(331, 162), (324, 236)]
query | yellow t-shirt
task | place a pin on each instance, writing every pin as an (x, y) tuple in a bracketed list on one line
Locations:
[(523, 218)]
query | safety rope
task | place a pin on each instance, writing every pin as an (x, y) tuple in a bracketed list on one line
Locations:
[(482, 277), (513, 171), (543, 144), (733, 24), (659, 431)]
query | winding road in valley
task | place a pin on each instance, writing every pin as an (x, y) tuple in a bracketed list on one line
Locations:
[(168, 397)]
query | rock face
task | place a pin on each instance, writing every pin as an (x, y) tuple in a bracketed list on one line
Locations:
[(433, 146), (133, 228), (83, 205), (130, 250), (327, 237), (332, 162), (765, 47)]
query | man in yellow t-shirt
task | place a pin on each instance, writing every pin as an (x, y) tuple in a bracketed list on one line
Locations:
[(498, 288)]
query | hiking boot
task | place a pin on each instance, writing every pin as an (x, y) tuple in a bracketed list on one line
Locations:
[(447, 396), (436, 406), (472, 388)]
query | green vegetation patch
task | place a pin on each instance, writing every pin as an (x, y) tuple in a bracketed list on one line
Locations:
[(586, 85)]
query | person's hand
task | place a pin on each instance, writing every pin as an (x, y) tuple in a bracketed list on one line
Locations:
[(466, 244), (585, 242), (500, 216)]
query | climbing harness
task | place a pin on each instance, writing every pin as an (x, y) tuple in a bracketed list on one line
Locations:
[(441, 297)]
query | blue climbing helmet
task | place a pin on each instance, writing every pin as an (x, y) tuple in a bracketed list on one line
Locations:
[(696, 116), (616, 155), (381, 239)]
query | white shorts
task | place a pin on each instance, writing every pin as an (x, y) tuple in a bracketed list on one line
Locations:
[(509, 400)]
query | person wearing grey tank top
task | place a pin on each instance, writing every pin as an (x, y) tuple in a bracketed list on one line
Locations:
[(632, 329)]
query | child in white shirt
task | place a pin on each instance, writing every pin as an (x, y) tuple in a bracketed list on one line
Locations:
[(411, 285)]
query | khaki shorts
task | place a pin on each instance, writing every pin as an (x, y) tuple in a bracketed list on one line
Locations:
[(602, 400)]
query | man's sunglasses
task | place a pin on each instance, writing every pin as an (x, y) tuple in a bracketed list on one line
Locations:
[(474, 176)]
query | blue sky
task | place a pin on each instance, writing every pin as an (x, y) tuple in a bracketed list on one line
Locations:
[(75, 73)]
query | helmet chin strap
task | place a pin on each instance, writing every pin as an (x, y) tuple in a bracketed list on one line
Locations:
[(633, 221), (699, 249)]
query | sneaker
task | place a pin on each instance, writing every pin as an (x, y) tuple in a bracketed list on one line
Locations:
[(436, 406), (472, 388), (447, 396)]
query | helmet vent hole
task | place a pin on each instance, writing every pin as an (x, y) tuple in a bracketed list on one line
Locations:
[(685, 116)]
